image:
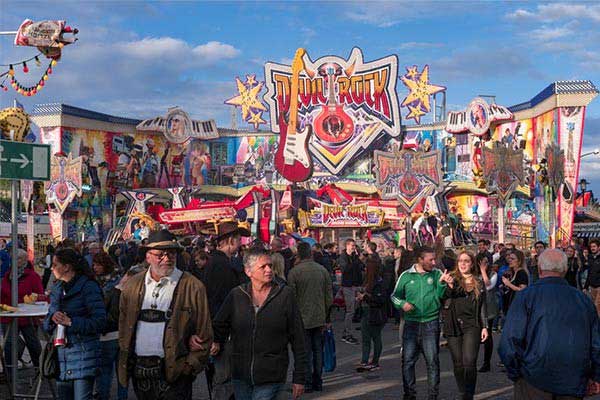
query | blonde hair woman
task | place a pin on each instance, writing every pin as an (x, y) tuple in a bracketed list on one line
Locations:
[(278, 268)]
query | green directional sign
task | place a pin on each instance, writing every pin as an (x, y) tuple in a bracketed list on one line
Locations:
[(29, 161)]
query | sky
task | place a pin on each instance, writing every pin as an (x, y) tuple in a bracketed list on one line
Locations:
[(138, 58)]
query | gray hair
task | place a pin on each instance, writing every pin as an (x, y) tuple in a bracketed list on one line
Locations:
[(553, 260), (252, 256), (278, 265)]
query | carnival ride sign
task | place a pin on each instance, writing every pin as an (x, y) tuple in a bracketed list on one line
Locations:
[(177, 127), (341, 216), (502, 169), (408, 175), (346, 104), (197, 215), (477, 118), (65, 181)]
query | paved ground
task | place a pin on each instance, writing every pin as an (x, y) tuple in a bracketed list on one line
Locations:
[(346, 383)]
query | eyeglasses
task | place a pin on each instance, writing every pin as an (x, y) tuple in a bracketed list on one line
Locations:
[(163, 254)]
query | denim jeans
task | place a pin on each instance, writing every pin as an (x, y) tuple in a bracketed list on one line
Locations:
[(314, 353), (110, 356), (32, 342), (78, 389), (370, 333), (421, 337), (245, 391), (464, 350)]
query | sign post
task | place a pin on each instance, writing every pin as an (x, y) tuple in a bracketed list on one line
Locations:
[(20, 161)]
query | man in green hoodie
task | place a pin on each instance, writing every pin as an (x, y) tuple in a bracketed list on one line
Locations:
[(418, 292)]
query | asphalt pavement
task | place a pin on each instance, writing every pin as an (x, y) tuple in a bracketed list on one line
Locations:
[(386, 383)]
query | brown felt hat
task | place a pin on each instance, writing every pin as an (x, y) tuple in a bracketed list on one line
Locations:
[(162, 240), (228, 228)]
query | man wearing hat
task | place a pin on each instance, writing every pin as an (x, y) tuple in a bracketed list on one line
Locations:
[(220, 277), (165, 331)]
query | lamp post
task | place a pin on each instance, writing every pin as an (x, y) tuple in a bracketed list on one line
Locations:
[(583, 184), (589, 153)]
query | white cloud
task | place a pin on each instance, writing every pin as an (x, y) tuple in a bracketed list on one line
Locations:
[(215, 51), (385, 14), (558, 11), (546, 33)]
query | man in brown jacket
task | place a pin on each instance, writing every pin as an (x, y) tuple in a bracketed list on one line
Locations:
[(165, 331)]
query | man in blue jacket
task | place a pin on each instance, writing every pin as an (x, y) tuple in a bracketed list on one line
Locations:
[(551, 340)]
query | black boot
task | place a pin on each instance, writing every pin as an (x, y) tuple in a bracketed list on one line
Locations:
[(459, 375)]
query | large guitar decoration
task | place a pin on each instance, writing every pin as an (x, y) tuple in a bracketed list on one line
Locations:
[(292, 159), (333, 125)]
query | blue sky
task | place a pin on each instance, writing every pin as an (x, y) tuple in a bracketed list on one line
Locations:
[(137, 58)]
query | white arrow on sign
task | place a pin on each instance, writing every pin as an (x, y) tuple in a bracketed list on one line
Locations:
[(23, 160)]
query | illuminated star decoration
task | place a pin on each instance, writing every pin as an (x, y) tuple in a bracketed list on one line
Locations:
[(256, 119), (247, 99), (417, 100)]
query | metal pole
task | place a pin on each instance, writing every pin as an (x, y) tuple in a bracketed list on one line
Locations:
[(8, 33), (14, 290)]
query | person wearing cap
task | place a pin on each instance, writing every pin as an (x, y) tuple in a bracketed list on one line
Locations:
[(220, 278), (165, 331), (260, 319)]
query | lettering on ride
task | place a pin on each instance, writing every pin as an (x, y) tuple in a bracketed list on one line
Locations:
[(368, 88), (333, 214)]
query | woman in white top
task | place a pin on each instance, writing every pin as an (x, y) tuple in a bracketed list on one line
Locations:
[(490, 278)]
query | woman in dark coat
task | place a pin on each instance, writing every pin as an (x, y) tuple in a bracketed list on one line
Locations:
[(76, 303), (465, 322)]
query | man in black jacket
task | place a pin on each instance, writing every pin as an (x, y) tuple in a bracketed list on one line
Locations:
[(593, 279), (351, 268), (261, 318), (219, 278)]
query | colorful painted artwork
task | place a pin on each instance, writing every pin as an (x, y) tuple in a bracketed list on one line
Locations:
[(570, 125), (65, 181), (545, 130), (408, 176), (347, 103), (474, 209), (502, 169)]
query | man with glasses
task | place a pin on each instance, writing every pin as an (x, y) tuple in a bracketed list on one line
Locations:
[(165, 331)]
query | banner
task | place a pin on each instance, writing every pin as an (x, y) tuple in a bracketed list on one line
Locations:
[(347, 104), (408, 176), (178, 128), (338, 216), (570, 126), (502, 169), (65, 181)]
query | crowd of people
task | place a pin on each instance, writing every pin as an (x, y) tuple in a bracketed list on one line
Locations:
[(158, 313)]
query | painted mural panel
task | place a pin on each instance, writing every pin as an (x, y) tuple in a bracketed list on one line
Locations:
[(474, 209), (570, 138), (518, 135), (545, 130)]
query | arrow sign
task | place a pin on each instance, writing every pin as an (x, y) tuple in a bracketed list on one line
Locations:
[(28, 161), (24, 161)]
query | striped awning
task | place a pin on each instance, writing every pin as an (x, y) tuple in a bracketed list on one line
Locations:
[(590, 234)]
